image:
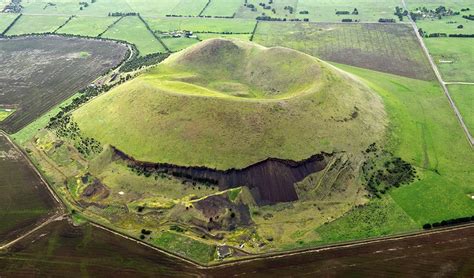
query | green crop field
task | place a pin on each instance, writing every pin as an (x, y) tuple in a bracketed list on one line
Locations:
[(216, 25), (454, 57), (463, 96), (223, 7), (5, 20), (87, 26), (132, 29), (382, 47), (28, 24)]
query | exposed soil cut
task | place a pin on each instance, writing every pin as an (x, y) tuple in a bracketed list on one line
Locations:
[(270, 181)]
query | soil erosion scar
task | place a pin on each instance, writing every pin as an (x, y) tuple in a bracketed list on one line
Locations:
[(271, 180)]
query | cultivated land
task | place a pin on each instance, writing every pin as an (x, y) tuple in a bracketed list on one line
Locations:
[(40, 72), (383, 47), (463, 96), (25, 200), (132, 30)]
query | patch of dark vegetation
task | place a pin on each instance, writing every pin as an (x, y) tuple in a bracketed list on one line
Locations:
[(143, 61), (65, 127), (383, 171), (468, 17), (41, 71), (449, 222), (271, 180), (223, 214), (437, 13), (96, 190), (13, 7), (386, 20)]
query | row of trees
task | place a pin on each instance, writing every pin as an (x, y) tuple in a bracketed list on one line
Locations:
[(449, 222)]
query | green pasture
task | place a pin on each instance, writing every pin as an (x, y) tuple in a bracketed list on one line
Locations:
[(463, 96), (223, 7), (197, 24), (5, 20), (87, 25), (454, 57), (28, 24), (132, 29)]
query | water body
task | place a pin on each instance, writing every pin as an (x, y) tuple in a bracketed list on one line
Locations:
[(63, 250)]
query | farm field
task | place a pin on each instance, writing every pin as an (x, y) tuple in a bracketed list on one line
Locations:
[(92, 251), (222, 7), (5, 20), (463, 96), (87, 26), (29, 24), (176, 44), (25, 200), (201, 25), (132, 30), (66, 65), (454, 57), (383, 47)]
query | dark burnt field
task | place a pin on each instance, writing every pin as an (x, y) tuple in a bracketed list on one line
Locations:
[(24, 199), (61, 250), (39, 72)]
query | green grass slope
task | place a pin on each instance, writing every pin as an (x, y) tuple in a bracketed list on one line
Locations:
[(225, 103)]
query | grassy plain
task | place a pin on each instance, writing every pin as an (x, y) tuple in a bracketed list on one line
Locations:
[(454, 57), (132, 29), (28, 24), (87, 26), (463, 96), (391, 48)]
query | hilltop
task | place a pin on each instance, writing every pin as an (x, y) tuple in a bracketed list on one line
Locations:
[(228, 104)]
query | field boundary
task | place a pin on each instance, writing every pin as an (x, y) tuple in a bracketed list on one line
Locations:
[(254, 31), (153, 33), (205, 7), (64, 24), (11, 25), (110, 26)]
